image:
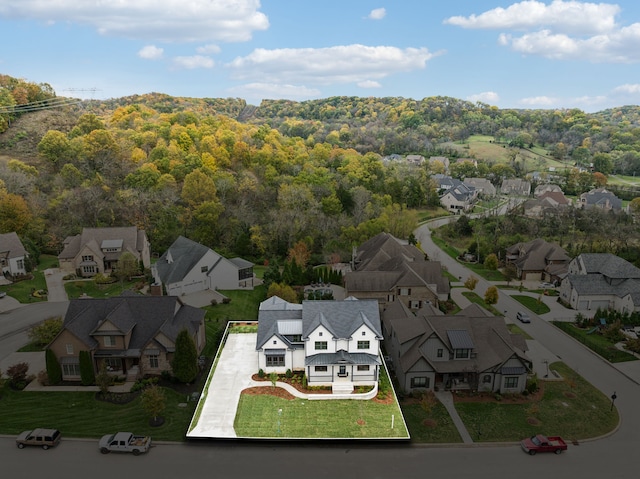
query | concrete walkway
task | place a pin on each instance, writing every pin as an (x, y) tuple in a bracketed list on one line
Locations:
[(55, 285), (446, 398)]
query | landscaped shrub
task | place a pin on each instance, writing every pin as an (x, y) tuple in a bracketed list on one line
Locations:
[(87, 375), (17, 375), (288, 374), (261, 373), (185, 360), (54, 371), (532, 384), (226, 300)]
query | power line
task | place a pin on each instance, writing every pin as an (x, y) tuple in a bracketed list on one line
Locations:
[(40, 105)]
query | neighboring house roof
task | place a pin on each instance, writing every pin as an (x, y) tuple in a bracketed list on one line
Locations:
[(608, 264), (536, 255), (133, 240), (382, 247), (602, 198), (483, 185), (11, 246), (546, 188), (487, 335), (517, 186), (461, 192), (179, 260), (141, 316)]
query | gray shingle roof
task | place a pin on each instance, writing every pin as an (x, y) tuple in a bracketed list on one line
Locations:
[(342, 356), (11, 246), (179, 260)]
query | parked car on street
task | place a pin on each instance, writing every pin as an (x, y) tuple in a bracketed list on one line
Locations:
[(124, 442), (546, 285), (523, 317), (541, 443), (45, 438)]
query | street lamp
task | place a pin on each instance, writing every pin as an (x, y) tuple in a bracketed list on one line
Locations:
[(547, 364), (613, 399)]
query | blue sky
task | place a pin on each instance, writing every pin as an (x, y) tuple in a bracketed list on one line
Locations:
[(511, 54)]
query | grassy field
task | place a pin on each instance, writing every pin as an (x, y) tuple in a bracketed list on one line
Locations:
[(556, 413), (270, 416), (433, 425), (80, 414), (77, 288), (537, 307), (474, 298), (22, 290), (478, 269)]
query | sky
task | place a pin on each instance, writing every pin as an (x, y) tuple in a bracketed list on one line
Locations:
[(510, 54)]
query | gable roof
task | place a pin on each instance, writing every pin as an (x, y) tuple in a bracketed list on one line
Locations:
[(535, 255), (609, 265), (11, 246), (133, 240), (601, 197), (179, 260), (380, 249), (141, 316)]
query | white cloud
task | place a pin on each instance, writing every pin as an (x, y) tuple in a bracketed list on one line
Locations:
[(151, 52), (275, 91), (561, 30), (377, 14), (369, 84), (628, 88), (157, 20), (208, 49), (562, 16), (539, 101), (339, 64), (488, 97), (192, 62)]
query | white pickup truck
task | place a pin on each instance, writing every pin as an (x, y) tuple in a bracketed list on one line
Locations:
[(124, 442)]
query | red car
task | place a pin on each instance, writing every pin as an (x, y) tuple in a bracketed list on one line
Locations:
[(540, 443)]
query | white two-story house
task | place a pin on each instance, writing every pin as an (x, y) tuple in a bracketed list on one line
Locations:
[(335, 343)]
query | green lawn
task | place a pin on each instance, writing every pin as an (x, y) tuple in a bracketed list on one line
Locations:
[(596, 342), (537, 307), (555, 414), (474, 298), (478, 269), (80, 287), (269, 416), (79, 414), (22, 290), (434, 426)]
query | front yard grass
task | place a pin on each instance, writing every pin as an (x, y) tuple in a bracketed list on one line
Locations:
[(562, 403), (479, 269), (474, 298), (23, 290), (80, 414), (596, 342), (536, 306), (269, 416), (88, 287), (435, 426)]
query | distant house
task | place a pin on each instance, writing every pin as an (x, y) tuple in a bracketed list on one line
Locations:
[(538, 260), (188, 267), (13, 256), (515, 186), (546, 188), (387, 270), (600, 198), (471, 350), (548, 203), (335, 343), (97, 250), (416, 160), (130, 335), (483, 186), (459, 198), (601, 280), (440, 159)]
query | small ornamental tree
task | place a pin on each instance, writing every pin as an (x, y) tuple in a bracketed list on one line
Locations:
[(87, 374), (491, 295), (471, 283), (153, 402), (18, 375), (491, 262), (43, 333), (185, 360), (103, 379), (54, 371)]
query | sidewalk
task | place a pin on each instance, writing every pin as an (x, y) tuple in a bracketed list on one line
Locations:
[(446, 398)]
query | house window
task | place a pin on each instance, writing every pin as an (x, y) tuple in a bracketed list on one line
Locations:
[(296, 338), (320, 369), (320, 345), (404, 292), (420, 382), (277, 360), (88, 269), (363, 367), (486, 378), (391, 298), (87, 258), (275, 342), (440, 353), (71, 369), (414, 304), (363, 344), (154, 362), (69, 348), (20, 264), (320, 333), (109, 341), (463, 353), (364, 333), (511, 382), (203, 269)]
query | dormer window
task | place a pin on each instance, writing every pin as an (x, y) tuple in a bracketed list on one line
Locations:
[(462, 353), (320, 333)]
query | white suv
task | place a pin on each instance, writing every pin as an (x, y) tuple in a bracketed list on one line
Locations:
[(523, 317)]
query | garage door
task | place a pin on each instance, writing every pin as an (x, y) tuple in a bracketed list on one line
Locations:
[(600, 304), (193, 287), (583, 304)]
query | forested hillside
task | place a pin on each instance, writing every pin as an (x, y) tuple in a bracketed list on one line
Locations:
[(254, 181)]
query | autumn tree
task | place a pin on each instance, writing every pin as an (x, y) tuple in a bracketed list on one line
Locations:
[(471, 283), (300, 253), (283, 291), (45, 331), (127, 266), (55, 147), (15, 214), (491, 262), (153, 402), (491, 295)]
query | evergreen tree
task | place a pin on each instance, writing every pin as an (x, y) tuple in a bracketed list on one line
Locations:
[(185, 360), (54, 371), (87, 374)]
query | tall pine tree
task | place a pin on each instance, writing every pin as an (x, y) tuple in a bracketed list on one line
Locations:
[(185, 360)]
